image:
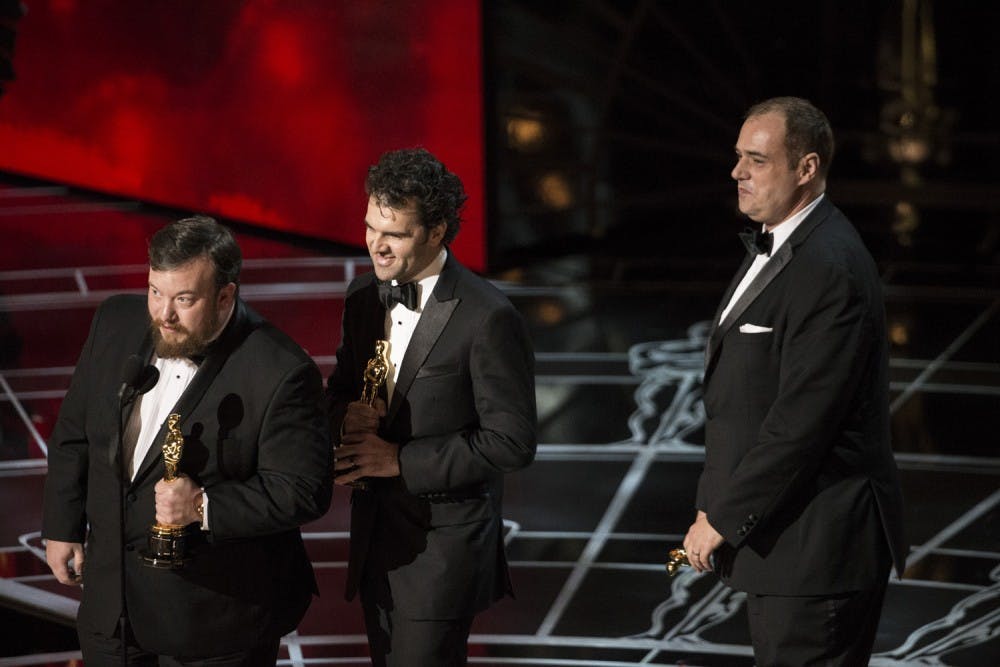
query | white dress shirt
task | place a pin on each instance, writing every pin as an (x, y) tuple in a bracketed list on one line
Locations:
[(781, 233), (155, 406), (400, 321)]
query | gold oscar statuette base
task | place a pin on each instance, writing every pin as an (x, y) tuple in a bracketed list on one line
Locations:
[(676, 559), (167, 543), (167, 548)]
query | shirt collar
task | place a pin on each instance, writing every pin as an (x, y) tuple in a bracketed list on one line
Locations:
[(427, 279), (785, 228)]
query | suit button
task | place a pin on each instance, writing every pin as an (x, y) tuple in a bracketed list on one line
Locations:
[(752, 518), (131, 497), (129, 547)]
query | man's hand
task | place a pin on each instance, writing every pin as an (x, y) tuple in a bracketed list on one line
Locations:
[(363, 418), (65, 559), (364, 455), (700, 542), (177, 502)]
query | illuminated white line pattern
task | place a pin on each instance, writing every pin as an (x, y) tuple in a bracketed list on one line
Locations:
[(663, 427)]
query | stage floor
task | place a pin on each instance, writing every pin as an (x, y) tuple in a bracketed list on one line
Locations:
[(590, 522)]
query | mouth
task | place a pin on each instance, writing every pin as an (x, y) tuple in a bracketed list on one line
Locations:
[(383, 260), (167, 329)]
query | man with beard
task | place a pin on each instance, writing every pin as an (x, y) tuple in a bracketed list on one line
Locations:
[(255, 466), (457, 413)]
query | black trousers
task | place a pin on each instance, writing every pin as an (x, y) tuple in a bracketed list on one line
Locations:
[(805, 631), (101, 650), (397, 641)]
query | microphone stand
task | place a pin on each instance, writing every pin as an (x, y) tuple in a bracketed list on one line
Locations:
[(137, 381), (128, 396)]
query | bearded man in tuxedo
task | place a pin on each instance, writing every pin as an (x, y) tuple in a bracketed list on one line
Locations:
[(255, 465)]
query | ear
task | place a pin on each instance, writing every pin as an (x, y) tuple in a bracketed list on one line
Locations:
[(436, 233), (226, 296), (808, 168)]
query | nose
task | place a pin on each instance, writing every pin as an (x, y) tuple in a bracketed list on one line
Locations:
[(739, 171), (167, 312), (377, 243)]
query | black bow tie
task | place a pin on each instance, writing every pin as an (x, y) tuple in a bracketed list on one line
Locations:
[(390, 294), (757, 242)]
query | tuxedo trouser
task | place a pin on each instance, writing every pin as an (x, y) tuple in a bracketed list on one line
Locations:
[(101, 650), (397, 641), (827, 630)]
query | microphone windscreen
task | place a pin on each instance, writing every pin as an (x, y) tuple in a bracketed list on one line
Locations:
[(150, 374), (133, 370)]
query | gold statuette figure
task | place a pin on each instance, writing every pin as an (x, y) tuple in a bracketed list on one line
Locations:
[(375, 375), (167, 541), (173, 448), (376, 372), (677, 558)]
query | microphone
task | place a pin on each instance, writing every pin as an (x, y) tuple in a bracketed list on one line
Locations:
[(137, 378)]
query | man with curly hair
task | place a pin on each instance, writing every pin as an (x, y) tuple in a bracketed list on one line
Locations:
[(457, 411)]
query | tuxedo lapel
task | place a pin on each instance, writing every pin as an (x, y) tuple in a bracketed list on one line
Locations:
[(432, 322), (144, 352), (215, 358), (770, 271), (774, 266), (714, 330)]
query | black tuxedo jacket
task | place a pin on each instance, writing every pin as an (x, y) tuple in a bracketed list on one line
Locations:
[(463, 414), (799, 475), (257, 440)]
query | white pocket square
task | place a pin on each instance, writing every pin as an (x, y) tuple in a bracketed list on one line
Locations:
[(753, 328)]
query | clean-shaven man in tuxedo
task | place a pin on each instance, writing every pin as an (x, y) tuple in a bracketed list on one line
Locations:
[(799, 502), (255, 466), (457, 412)]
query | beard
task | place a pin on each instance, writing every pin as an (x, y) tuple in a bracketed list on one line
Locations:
[(188, 343)]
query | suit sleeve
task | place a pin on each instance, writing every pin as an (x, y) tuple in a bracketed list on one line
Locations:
[(343, 385), (825, 352), (64, 515), (293, 482), (501, 366)]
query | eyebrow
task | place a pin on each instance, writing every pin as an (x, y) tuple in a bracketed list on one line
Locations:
[(181, 293), (403, 234), (750, 153)]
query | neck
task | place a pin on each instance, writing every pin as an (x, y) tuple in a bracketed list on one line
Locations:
[(224, 321), (806, 197)]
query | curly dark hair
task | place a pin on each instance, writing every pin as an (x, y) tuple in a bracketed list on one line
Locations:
[(807, 129), (414, 176)]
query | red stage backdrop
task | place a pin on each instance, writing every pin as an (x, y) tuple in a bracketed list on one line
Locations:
[(264, 111)]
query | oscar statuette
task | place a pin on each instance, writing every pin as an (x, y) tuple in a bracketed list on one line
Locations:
[(167, 546), (676, 559), (376, 372)]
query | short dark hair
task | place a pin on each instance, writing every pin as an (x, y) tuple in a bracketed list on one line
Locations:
[(807, 129), (198, 236), (413, 175)]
